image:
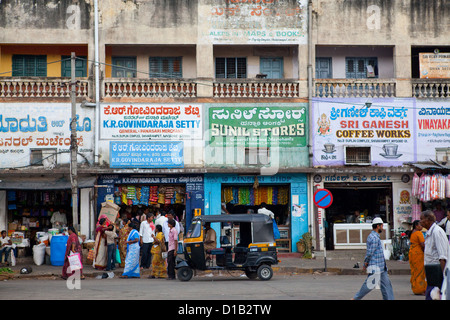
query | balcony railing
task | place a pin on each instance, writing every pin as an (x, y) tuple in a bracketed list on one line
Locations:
[(41, 87), (431, 88), (244, 88), (149, 88), (354, 88)]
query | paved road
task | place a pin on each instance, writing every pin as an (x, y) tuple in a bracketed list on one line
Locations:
[(281, 287)]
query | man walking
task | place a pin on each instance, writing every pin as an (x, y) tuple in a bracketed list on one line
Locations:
[(146, 232), (375, 264), (436, 246), (172, 250)]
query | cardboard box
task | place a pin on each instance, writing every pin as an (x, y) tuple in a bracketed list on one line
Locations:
[(111, 210), (12, 226)]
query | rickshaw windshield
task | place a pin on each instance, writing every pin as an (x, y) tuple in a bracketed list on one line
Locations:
[(195, 230)]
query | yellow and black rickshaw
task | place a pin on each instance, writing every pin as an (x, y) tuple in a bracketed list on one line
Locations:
[(254, 254)]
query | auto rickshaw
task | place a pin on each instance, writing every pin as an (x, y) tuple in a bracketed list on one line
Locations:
[(254, 254)]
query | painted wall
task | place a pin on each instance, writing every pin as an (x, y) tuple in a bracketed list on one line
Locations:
[(54, 55), (298, 197), (26, 126), (410, 128), (338, 55), (138, 127), (283, 127)]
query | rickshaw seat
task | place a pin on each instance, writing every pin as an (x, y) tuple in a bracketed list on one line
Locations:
[(216, 251)]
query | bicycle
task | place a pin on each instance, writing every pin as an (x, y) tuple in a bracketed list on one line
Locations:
[(400, 245)]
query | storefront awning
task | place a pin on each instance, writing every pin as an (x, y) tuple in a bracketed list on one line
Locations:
[(44, 183), (430, 166)]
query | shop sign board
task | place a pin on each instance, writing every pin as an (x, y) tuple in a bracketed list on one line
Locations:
[(387, 127), (149, 154), (433, 127), (258, 125), (151, 121), (434, 65), (43, 126), (255, 22), (323, 198)]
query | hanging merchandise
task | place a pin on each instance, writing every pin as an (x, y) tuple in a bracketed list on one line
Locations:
[(447, 186), (415, 186), (431, 187)]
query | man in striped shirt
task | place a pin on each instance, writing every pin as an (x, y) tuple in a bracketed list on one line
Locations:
[(375, 264)]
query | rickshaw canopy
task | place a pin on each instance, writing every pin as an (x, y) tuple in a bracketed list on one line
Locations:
[(259, 226)]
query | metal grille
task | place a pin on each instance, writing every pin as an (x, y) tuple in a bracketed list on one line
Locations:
[(357, 155)]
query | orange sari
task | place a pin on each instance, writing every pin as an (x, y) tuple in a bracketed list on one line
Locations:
[(416, 262)]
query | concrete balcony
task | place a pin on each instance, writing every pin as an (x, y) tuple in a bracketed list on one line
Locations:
[(260, 88), (149, 88), (41, 88), (430, 88), (354, 88)]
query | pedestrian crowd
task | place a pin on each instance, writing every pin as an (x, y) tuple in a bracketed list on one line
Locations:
[(146, 241)]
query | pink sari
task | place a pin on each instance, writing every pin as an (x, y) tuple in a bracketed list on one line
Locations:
[(73, 239)]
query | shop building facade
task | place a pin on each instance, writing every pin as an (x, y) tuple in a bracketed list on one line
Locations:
[(232, 93)]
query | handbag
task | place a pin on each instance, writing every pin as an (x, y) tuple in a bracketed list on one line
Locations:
[(75, 262), (434, 275), (163, 245)]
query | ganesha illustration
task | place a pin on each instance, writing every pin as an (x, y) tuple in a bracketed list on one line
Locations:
[(324, 125), (404, 197)]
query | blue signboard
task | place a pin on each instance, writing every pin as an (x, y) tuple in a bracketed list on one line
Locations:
[(146, 154)]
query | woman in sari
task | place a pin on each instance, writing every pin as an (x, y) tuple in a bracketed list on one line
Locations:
[(100, 246), (73, 246), (131, 269), (158, 265), (123, 236), (416, 260)]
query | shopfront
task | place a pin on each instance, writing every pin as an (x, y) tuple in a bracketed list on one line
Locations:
[(178, 194), (284, 194), (41, 205), (357, 200)]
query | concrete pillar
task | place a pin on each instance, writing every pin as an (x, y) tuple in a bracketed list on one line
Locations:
[(402, 68), (205, 69)]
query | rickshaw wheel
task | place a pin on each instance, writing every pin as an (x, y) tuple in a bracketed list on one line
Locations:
[(251, 274), (185, 273), (264, 272)]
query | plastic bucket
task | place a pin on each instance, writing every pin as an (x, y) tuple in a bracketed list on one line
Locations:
[(58, 250)]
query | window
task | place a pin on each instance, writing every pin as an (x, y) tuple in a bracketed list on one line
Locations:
[(165, 67), (357, 68), (80, 66), (29, 66), (231, 68), (357, 155), (257, 156), (124, 67), (43, 157)]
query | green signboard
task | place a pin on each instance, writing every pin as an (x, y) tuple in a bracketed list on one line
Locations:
[(258, 125)]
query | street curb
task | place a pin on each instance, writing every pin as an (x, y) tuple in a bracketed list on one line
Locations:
[(276, 269)]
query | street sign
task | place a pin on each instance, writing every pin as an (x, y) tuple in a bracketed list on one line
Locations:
[(323, 198)]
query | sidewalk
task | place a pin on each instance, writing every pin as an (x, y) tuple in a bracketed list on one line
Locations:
[(337, 263)]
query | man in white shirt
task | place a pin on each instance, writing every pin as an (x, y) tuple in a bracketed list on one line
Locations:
[(160, 219), (5, 246), (436, 244), (263, 209), (146, 232), (58, 219)]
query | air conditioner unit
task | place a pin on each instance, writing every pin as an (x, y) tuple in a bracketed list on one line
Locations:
[(442, 154), (357, 155)]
